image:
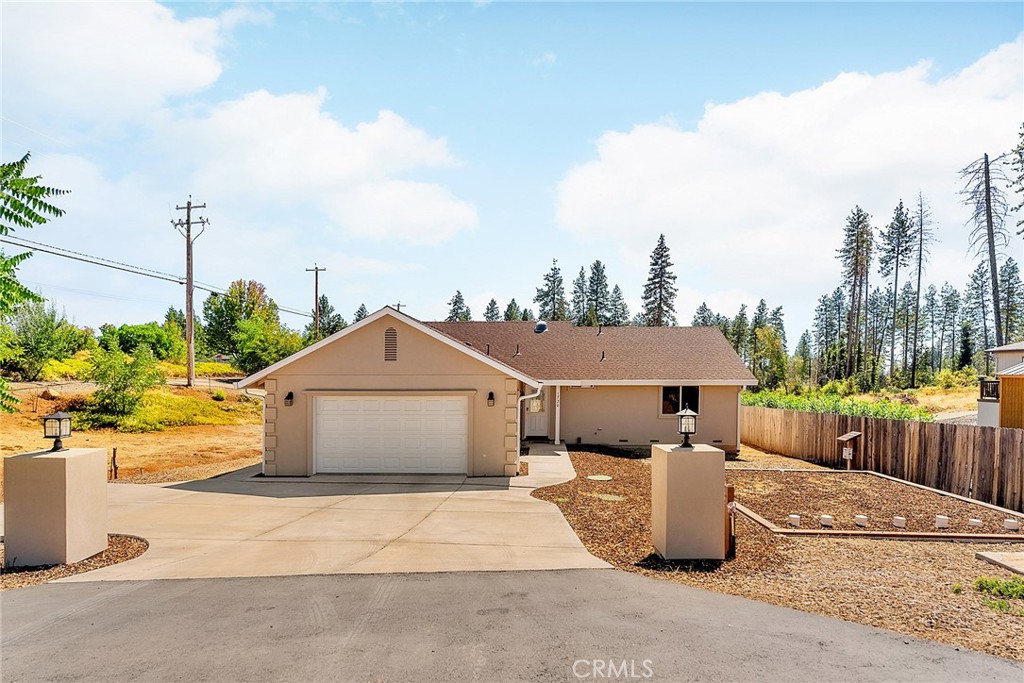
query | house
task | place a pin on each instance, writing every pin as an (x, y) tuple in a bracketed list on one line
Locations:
[(1009, 362), (393, 394)]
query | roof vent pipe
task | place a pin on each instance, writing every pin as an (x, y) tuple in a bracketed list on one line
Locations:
[(517, 351), (488, 349), (600, 329), (602, 355)]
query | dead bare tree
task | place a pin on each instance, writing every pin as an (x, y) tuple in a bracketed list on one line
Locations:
[(983, 193)]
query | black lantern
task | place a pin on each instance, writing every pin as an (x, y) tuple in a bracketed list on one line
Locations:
[(57, 426), (490, 399), (687, 424)]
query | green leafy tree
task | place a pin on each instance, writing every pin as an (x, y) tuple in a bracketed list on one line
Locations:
[(458, 311), (492, 313), (512, 311), (261, 343), (41, 335), (164, 345), (660, 290), (551, 295), (360, 313), (24, 203), (769, 361), (222, 313), (330, 320), (123, 380)]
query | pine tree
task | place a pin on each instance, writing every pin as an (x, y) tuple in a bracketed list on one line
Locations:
[(976, 305), (551, 295), (1017, 178), (660, 290), (330, 321), (983, 194), (512, 311), (966, 356), (949, 324), (580, 302), (703, 317), (360, 313), (1011, 298), (492, 313), (803, 352), (758, 322), (618, 307), (896, 251), (924, 234), (528, 314), (598, 295), (740, 331), (855, 256), (931, 314), (458, 311)]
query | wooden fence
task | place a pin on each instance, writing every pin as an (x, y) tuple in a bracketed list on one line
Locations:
[(984, 463)]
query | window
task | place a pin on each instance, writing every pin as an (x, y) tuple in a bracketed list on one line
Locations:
[(674, 398), (390, 344)]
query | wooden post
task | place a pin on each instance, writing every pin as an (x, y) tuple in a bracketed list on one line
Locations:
[(730, 522), (114, 462)]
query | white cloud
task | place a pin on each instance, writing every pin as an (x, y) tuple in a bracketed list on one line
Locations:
[(546, 59), (101, 61), (287, 150), (759, 191)]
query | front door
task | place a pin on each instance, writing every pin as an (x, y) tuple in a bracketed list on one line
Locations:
[(537, 416)]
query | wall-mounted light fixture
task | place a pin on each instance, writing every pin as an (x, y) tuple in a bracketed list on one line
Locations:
[(490, 399), (289, 399)]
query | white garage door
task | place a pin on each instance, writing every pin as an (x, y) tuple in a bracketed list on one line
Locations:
[(428, 434)]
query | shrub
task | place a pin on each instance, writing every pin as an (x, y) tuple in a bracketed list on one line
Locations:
[(1003, 588), (123, 380), (218, 395), (203, 369), (831, 403), (77, 367)]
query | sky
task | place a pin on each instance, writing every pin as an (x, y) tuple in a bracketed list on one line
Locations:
[(416, 149)]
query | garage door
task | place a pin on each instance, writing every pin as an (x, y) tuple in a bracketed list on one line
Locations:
[(428, 434)]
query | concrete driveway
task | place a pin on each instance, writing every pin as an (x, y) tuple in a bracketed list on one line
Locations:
[(239, 525)]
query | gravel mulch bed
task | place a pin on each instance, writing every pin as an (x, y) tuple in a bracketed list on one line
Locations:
[(902, 586), (776, 495), (120, 549), (752, 457)]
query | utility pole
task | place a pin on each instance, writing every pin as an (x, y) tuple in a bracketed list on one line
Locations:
[(316, 270), (185, 228)]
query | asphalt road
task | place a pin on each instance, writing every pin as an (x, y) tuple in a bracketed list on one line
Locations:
[(591, 625)]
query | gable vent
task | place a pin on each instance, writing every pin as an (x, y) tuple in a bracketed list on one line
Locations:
[(390, 344)]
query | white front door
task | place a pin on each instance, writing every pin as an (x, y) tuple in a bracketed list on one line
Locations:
[(409, 434), (537, 415)]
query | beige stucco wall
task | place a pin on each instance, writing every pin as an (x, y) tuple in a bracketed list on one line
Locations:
[(355, 364), (1007, 359), (55, 506), (632, 416)]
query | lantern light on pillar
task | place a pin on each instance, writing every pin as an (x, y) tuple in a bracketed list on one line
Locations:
[(57, 426), (687, 424)]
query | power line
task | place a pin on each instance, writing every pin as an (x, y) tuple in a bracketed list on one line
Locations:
[(125, 267)]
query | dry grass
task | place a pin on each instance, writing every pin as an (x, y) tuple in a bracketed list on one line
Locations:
[(175, 454), (938, 400), (902, 586)]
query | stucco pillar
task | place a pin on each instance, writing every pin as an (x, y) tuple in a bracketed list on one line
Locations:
[(688, 502), (55, 506)]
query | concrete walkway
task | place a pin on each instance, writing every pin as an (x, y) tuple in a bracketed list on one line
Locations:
[(489, 626), (239, 525)]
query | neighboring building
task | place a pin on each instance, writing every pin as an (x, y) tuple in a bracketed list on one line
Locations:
[(1009, 362), (393, 394)]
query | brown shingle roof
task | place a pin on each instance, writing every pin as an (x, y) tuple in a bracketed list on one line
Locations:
[(567, 352)]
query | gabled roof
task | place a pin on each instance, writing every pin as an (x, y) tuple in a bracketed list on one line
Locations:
[(566, 354), (387, 311), (1013, 370), (1018, 346)]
